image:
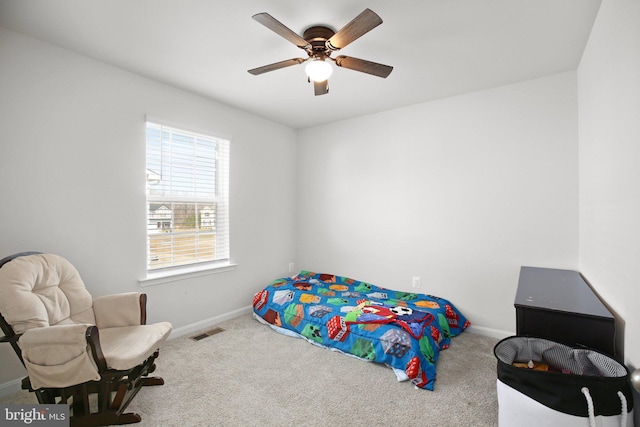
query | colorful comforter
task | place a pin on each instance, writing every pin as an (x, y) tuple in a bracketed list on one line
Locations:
[(403, 330)]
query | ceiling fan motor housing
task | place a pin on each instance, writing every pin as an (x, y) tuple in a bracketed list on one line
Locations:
[(317, 37)]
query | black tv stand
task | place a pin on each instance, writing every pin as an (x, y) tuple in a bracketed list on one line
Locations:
[(559, 305)]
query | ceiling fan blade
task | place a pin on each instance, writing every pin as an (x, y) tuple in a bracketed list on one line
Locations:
[(279, 28), (360, 25), (276, 66), (320, 88), (364, 66)]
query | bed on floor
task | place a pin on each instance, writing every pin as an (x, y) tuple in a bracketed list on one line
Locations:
[(405, 331)]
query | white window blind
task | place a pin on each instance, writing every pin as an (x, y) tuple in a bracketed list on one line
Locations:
[(187, 198)]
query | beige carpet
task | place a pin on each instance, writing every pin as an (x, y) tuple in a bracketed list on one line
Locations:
[(249, 375)]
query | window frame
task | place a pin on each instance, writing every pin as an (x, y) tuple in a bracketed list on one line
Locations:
[(221, 260)]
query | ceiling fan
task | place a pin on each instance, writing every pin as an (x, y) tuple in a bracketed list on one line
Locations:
[(319, 42)]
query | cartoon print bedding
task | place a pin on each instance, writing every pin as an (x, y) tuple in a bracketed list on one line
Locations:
[(403, 330)]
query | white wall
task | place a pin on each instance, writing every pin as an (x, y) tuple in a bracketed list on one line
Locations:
[(609, 129), (72, 179), (460, 191)]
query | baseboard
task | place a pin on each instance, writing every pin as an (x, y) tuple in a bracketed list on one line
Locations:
[(207, 323), (10, 387), (489, 332)]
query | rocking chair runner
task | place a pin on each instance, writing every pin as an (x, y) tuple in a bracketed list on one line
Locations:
[(74, 346)]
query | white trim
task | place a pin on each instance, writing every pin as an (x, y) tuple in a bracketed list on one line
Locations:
[(489, 332), (176, 274), (207, 323), (193, 172)]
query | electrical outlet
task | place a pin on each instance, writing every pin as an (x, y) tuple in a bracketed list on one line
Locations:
[(415, 281), (290, 267)]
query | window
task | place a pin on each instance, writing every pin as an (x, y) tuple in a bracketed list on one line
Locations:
[(187, 198)]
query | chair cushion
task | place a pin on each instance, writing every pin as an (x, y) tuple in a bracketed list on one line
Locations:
[(117, 310), (127, 346), (43, 290)]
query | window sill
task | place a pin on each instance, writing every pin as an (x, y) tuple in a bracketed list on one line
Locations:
[(184, 273)]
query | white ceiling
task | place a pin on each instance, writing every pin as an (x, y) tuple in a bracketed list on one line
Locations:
[(438, 48)]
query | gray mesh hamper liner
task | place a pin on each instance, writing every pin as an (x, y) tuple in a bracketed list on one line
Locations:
[(570, 369), (577, 361)]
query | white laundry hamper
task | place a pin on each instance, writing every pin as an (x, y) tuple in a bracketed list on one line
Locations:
[(581, 388)]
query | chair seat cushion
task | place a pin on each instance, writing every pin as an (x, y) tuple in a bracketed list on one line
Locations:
[(127, 346)]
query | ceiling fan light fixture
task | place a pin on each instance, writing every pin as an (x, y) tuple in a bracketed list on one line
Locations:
[(319, 42), (318, 70)]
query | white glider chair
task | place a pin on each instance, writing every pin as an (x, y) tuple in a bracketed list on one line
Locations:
[(91, 353)]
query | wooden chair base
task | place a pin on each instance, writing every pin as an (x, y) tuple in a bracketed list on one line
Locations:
[(150, 381), (102, 403)]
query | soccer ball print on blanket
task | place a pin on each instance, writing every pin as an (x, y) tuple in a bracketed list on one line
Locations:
[(403, 330)]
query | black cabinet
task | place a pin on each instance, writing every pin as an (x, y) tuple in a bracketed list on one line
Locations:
[(559, 305)]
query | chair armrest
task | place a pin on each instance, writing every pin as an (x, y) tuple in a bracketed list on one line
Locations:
[(127, 309), (62, 355)]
